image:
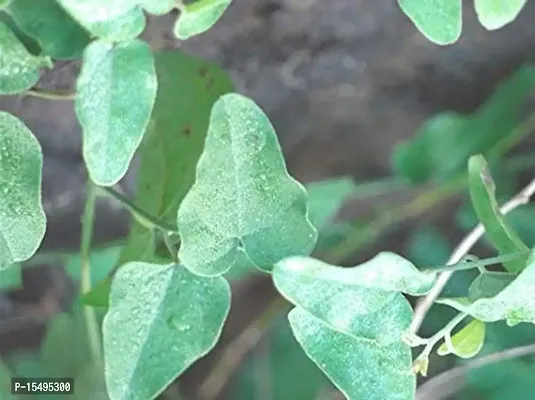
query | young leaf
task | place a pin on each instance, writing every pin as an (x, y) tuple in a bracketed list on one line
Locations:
[(489, 284), (359, 368), (495, 14), (243, 196), (161, 319), (19, 70), (11, 277), (199, 16), (99, 295), (174, 140), (439, 20), (57, 33), (116, 89), (22, 219), (341, 296), (515, 303), (442, 147), (466, 343), (498, 230)]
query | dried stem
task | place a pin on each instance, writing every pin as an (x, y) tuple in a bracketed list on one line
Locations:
[(462, 249)]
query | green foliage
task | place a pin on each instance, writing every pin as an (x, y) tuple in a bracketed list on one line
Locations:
[(19, 70), (161, 319), (500, 233), (11, 277), (444, 144), (466, 343), (439, 20), (488, 284), (260, 208), (116, 90), (58, 35), (22, 219), (199, 16), (515, 303), (358, 366), (495, 14)]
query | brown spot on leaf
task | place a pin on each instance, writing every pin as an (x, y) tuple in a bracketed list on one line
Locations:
[(187, 130), (202, 71)]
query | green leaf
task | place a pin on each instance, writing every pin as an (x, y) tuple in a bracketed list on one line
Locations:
[(22, 219), (442, 147), (360, 368), (371, 289), (515, 303), (440, 21), (197, 17), (65, 332), (19, 70), (11, 277), (497, 229), (161, 319), (489, 284), (116, 89), (259, 206), (325, 198), (102, 262), (4, 4), (495, 14), (58, 35), (173, 142), (466, 343)]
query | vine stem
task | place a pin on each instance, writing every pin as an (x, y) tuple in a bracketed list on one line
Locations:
[(51, 94), (143, 217), (88, 218), (423, 306), (446, 384)]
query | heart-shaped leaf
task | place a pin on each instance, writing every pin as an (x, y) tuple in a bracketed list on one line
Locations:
[(359, 368), (466, 343), (497, 229), (199, 16), (495, 14), (515, 303), (243, 196), (161, 319), (57, 33), (116, 90), (19, 70), (439, 20), (22, 219), (340, 297)]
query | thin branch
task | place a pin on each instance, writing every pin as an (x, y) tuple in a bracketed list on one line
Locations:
[(462, 249), (143, 217), (92, 325), (446, 384), (51, 94)]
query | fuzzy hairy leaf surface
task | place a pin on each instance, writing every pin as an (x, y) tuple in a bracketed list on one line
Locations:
[(359, 368), (116, 90), (439, 20), (19, 70), (199, 16), (495, 14), (161, 319), (243, 196), (22, 219)]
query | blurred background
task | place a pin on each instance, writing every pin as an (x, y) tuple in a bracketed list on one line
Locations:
[(344, 82)]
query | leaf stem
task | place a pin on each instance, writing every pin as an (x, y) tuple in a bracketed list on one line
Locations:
[(422, 361), (479, 264), (173, 251), (423, 306), (51, 94), (92, 325), (144, 218)]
